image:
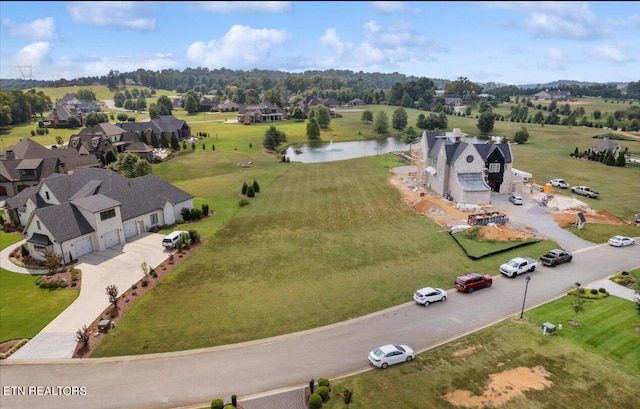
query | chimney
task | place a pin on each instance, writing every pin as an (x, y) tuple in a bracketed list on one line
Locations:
[(10, 154)]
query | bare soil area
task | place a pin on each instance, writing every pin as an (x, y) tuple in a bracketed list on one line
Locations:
[(564, 210), (502, 387)]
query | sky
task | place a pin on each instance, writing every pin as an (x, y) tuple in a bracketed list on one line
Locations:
[(504, 42)]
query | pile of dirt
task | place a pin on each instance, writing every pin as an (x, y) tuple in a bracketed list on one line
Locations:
[(502, 233), (570, 218)]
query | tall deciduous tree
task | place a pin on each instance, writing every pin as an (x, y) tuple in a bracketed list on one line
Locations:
[(399, 119), (486, 121), (313, 129), (381, 123), (273, 138), (522, 136), (322, 115)]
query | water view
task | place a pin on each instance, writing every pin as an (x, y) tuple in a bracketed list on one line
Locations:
[(313, 152)]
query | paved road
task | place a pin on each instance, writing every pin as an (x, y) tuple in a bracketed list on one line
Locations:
[(195, 377)]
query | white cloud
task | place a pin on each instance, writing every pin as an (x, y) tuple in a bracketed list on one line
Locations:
[(40, 29), (129, 14), (557, 19), (609, 53), (389, 6), (554, 59), (241, 47), (331, 39), (33, 54), (241, 6)]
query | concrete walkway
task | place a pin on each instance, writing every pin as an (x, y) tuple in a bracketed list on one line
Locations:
[(612, 288), (119, 265)]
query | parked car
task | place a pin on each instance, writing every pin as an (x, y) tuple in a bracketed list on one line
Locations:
[(555, 257), (621, 241), (427, 295), (585, 191), (172, 239), (518, 265), (470, 282), (390, 354), (516, 199), (559, 183)]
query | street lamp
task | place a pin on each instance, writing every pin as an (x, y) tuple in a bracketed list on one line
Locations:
[(525, 294)]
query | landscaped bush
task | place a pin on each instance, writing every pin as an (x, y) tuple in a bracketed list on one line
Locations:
[(217, 403), (50, 285), (324, 382), (243, 202), (323, 391), (186, 214), (315, 401), (602, 290), (194, 236), (205, 209), (594, 291)]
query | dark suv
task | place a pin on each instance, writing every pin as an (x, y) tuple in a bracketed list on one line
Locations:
[(472, 281)]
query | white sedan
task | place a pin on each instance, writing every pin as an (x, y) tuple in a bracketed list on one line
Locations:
[(390, 354), (621, 241), (427, 295)]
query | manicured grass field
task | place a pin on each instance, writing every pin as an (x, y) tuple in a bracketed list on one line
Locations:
[(593, 366), (321, 244), (24, 308)]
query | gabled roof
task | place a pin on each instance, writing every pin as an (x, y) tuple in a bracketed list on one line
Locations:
[(486, 149), (165, 124), (605, 144), (64, 221)]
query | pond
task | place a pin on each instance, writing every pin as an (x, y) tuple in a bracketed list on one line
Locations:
[(314, 152)]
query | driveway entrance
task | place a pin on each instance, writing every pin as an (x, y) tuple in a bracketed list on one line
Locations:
[(119, 265)]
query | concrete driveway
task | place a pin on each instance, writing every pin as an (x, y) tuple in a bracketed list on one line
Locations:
[(119, 265)]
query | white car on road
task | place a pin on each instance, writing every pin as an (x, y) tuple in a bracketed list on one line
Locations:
[(427, 295), (621, 241), (390, 354)]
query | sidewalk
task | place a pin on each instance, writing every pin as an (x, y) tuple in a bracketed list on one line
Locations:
[(613, 289)]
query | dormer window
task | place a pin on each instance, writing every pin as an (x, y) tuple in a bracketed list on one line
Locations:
[(74, 144), (95, 144), (47, 195), (38, 224)]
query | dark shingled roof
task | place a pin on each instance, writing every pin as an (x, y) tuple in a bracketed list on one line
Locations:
[(64, 221)]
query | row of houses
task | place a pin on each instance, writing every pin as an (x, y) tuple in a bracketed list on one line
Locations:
[(26, 163)]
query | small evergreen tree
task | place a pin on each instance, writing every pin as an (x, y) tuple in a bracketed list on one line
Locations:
[(620, 160), (244, 188), (250, 192), (256, 187)]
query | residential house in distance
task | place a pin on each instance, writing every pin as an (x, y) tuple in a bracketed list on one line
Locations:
[(228, 106), (93, 210), (26, 163), (67, 107), (356, 101), (486, 97), (309, 102), (461, 171), (100, 138), (606, 144), (262, 112), (552, 96), (166, 125), (453, 101)]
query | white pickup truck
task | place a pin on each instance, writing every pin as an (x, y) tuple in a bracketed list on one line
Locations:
[(517, 266)]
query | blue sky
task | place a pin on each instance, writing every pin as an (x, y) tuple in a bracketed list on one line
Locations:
[(506, 42)]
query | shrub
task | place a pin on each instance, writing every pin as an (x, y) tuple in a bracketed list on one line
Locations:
[(24, 250), (315, 401), (312, 384), (205, 209), (594, 291), (186, 214), (145, 283), (602, 290), (323, 391), (581, 291), (196, 214), (234, 400), (243, 203), (256, 187), (624, 273), (347, 396), (217, 403), (324, 382), (194, 236), (244, 188)]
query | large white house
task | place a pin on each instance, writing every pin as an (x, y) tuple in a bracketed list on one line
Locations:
[(93, 209), (464, 172)]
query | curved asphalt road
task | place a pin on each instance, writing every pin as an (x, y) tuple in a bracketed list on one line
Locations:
[(195, 377)]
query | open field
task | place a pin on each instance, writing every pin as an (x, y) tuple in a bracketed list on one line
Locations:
[(512, 365), (317, 232)]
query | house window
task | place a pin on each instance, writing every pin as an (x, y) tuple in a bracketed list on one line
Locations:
[(28, 172), (38, 224), (74, 144), (494, 167), (39, 249), (108, 214), (154, 219), (95, 144)]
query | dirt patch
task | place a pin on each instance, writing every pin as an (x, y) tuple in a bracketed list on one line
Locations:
[(465, 351), (127, 299), (570, 218), (502, 387), (502, 233)]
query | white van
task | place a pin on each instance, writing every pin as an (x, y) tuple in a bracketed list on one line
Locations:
[(171, 240)]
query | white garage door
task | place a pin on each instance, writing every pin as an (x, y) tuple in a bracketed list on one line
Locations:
[(83, 247), (111, 239), (130, 230)]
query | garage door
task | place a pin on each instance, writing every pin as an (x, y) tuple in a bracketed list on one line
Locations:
[(111, 239), (130, 230), (83, 247)]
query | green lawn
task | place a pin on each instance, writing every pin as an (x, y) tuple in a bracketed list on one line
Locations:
[(26, 309), (478, 247), (594, 366)]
